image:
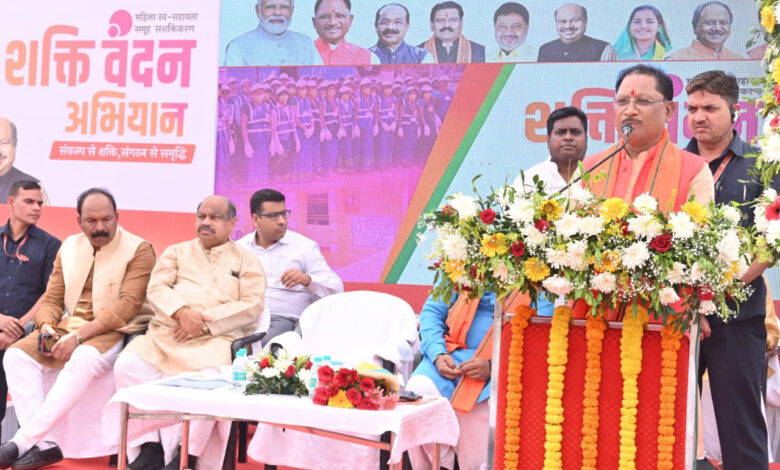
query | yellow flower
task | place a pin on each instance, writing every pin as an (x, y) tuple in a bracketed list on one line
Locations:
[(340, 400), (493, 245), (535, 270), (613, 208), (768, 19), (454, 269), (551, 209), (698, 213), (610, 260), (776, 72)]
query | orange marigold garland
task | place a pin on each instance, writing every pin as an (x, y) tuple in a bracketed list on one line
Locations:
[(630, 366), (670, 345), (594, 333), (557, 356), (514, 388)]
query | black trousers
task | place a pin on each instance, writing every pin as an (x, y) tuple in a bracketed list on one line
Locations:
[(734, 357)]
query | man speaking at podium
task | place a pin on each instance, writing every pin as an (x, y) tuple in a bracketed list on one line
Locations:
[(650, 162)]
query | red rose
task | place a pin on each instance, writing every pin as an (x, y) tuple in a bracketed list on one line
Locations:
[(333, 390), (773, 210), (354, 396), (517, 248), (488, 216), (320, 396), (368, 404), (473, 271), (705, 293), (775, 121), (542, 225), (308, 365), (367, 384), (448, 210), (290, 371), (662, 243), (345, 377), (264, 363), (624, 226), (777, 95), (324, 375)]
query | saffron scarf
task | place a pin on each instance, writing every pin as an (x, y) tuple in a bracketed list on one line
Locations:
[(464, 49)]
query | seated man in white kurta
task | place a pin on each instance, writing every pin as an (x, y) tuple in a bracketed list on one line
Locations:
[(205, 293)]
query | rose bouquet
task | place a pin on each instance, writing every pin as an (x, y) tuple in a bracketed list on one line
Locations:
[(277, 375), (353, 388)]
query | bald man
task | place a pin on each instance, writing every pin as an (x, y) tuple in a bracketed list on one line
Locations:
[(9, 174), (205, 292)]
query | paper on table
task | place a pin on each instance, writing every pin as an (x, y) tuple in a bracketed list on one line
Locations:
[(206, 383)]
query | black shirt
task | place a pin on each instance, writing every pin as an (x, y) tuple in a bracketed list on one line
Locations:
[(23, 282), (736, 184)]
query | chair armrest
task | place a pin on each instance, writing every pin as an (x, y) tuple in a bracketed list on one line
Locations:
[(241, 342)]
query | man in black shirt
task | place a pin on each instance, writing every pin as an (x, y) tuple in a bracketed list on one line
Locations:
[(732, 353), (26, 262), (571, 22)]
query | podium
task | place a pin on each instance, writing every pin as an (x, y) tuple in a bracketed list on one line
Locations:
[(531, 438)]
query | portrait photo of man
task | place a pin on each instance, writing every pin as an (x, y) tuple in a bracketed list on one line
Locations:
[(392, 24), (448, 44), (712, 27), (510, 23), (571, 22)]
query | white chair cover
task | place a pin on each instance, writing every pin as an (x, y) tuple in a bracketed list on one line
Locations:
[(352, 327)]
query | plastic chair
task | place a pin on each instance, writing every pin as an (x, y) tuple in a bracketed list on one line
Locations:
[(352, 327)]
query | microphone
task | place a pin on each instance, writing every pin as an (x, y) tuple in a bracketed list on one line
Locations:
[(627, 129)]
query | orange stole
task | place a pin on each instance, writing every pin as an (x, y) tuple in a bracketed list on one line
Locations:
[(468, 389), (666, 164)]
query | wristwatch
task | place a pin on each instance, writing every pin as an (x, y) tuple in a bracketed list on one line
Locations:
[(77, 334)]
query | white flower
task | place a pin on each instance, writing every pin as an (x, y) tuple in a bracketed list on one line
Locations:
[(502, 195), (455, 247), (502, 272), (770, 147), (568, 225), (533, 237), (270, 372), (558, 285), (707, 307), (769, 194), (682, 225), (645, 225), (769, 117), (677, 274), (697, 274), (465, 205), (604, 282), (759, 217), (728, 247), (732, 214), (521, 211), (556, 258), (591, 225), (579, 194), (645, 203), (773, 232), (635, 255), (575, 255), (668, 296)]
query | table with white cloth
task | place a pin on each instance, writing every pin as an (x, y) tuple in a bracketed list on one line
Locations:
[(431, 421)]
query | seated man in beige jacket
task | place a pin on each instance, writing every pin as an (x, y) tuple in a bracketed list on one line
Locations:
[(205, 293), (99, 279)]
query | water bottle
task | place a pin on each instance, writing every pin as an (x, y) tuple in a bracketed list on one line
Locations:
[(239, 370), (314, 379)]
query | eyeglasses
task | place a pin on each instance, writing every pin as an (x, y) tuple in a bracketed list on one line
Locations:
[(275, 215), (639, 102)]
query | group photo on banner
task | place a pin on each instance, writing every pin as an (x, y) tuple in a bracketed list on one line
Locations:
[(410, 235)]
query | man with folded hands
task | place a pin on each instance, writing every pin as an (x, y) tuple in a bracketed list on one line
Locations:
[(100, 279), (205, 292)]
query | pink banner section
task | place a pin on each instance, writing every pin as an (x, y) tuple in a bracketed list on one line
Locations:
[(121, 152)]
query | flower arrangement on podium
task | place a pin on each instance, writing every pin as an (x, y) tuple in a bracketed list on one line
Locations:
[(768, 164), (366, 387), (280, 375)]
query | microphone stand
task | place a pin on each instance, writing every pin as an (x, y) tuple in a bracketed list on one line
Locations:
[(627, 129)]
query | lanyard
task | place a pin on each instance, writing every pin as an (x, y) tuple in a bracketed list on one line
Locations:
[(722, 167), (22, 258)]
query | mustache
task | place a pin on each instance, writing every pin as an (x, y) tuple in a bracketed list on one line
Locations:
[(388, 32), (100, 234), (446, 29), (206, 228), (3, 156)]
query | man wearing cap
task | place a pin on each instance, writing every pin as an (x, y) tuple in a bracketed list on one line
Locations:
[(368, 126), (259, 132), (392, 23), (271, 43), (510, 23), (442, 95), (306, 129), (330, 128), (386, 139), (284, 140), (347, 129), (332, 20), (241, 104), (316, 101), (408, 113), (431, 123), (224, 138), (448, 44)]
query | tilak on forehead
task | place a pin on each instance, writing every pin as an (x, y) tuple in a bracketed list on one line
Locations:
[(633, 92)]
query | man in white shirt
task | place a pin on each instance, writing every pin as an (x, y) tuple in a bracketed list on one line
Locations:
[(510, 23), (296, 272), (567, 142)]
